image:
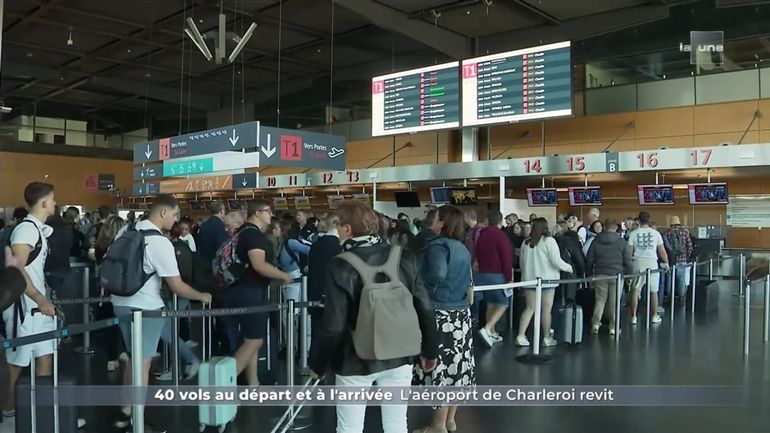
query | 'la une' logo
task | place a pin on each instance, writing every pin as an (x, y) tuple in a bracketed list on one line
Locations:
[(703, 48)]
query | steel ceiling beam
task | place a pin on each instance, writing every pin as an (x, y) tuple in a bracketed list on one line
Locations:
[(575, 29), (445, 41), (27, 20)]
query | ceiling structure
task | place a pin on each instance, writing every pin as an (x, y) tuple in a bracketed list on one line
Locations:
[(129, 64)]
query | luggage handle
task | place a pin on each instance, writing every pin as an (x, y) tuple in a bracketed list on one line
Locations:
[(206, 328)]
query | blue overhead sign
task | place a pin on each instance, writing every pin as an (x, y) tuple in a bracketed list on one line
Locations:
[(245, 181), (148, 171), (147, 188), (294, 148), (235, 137)]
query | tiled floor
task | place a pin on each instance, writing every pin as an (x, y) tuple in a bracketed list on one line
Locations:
[(694, 351)]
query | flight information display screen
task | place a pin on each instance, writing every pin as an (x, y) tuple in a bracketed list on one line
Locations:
[(417, 100), (532, 83), (655, 194), (708, 193), (542, 197), (585, 196)]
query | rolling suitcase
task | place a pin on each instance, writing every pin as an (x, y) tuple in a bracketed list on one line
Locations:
[(571, 329), (219, 371), (45, 391)]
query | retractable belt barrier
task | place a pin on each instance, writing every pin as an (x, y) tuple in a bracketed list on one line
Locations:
[(76, 329)]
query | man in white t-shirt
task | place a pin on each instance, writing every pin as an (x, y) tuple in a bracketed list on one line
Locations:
[(29, 245), (160, 262), (647, 244)]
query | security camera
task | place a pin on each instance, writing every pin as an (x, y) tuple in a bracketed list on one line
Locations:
[(5, 110)]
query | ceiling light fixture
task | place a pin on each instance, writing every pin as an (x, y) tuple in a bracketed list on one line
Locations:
[(195, 35), (242, 43)]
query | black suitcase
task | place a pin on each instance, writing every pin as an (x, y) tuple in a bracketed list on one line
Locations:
[(68, 418), (706, 296)]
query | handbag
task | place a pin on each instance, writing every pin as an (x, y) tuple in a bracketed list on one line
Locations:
[(471, 289)]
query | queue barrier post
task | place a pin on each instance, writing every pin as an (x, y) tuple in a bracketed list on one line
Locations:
[(535, 357), (137, 371), (648, 313), (32, 391), (55, 378), (303, 330), (741, 275), (672, 288), (618, 303), (694, 286), (86, 349), (766, 329), (175, 342), (747, 318), (294, 419), (711, 268)]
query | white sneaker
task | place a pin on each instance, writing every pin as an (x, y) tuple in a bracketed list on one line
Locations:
[(612, 331), (81, 423), (124, 357), (656, 319), (522, 341), (497, 338), (113, 365), (549, 341), (190, 370), (595, 329), (486, 336), (166, 376), (8, 425), (633, 320), (191, 343)]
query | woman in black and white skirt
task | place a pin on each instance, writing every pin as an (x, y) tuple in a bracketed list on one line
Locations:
[(446, 271)]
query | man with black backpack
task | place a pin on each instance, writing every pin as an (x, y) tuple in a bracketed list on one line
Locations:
[(136, 264), (373, 279), (679, 239), (29, 244)]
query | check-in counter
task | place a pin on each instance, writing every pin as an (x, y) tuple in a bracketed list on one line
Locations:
[(730, 268)]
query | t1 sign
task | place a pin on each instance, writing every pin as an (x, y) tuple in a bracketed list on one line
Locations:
[(293, 148)]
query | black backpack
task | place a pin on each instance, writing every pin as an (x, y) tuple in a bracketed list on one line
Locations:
[(122, 270)]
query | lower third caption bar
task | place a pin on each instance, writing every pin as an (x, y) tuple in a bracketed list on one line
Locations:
[(413, 396)]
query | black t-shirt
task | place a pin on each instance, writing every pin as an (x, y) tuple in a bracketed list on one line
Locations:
[(250, 237)]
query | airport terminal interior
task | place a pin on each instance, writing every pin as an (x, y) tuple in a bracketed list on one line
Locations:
[(563, 119)]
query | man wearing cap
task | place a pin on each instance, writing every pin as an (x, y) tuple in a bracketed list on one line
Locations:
[(680, 242)]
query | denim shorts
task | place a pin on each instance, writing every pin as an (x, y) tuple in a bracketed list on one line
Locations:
[(151, 330), (494, 297)]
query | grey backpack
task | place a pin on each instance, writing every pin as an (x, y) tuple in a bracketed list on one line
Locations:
[(387, 326)]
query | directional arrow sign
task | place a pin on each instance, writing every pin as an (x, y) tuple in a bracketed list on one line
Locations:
[(224, 161), (149, 188), (235, 137), (294, 148), (148, 171), (145, 152), (245, 181)]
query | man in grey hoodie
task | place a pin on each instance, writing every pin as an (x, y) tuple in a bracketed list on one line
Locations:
[(609, 254)]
